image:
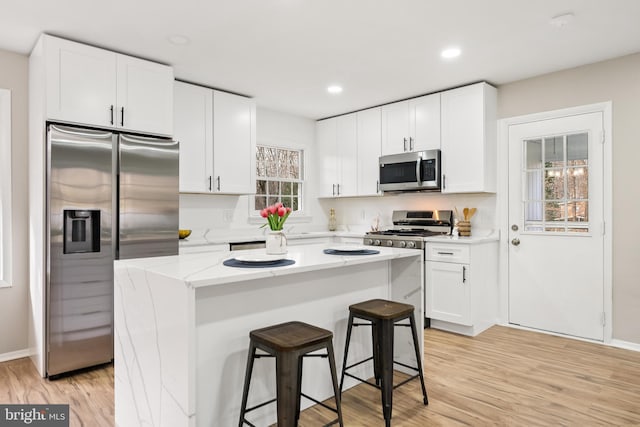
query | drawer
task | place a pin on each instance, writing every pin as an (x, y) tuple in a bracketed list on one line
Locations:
[(448, 253)]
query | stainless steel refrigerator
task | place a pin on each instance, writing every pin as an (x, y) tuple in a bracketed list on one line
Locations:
[(109, 196)]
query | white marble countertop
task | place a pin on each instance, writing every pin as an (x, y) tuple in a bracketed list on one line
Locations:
[(480, 236), (212, 239), (206, 269)]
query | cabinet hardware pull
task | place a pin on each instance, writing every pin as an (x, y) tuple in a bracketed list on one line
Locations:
[(410, 143), (210, 182), (218, 179), (404, 144), (445, 253), (333, 189), (464, 274), (122, 116), (377, 186), (111, 114), (444, 181), (338, 185)]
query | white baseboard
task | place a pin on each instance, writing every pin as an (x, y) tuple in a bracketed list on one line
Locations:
[(625, 344), (613, 343), (19, 354)]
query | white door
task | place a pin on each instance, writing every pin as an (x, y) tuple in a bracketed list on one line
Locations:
[(556, 251), (327, 157)]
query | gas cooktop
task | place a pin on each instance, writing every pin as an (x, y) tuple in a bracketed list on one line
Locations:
[(410, 227)]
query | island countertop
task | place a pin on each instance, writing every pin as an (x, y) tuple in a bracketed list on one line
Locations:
[(182, 326), (207, 269)]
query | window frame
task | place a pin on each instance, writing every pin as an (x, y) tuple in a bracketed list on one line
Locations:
[(300, 213), (6, 240)]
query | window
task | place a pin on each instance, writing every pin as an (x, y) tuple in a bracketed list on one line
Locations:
[(279, 177), (5, 187), (557, 184)]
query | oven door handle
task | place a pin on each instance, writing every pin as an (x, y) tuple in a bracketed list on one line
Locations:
[(418, 177)]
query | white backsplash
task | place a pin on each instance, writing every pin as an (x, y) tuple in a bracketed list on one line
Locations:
[(358, 214)]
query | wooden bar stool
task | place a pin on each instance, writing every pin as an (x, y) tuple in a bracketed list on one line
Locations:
[(290, 343), (383, 316)]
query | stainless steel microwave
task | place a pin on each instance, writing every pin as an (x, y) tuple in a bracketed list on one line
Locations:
[(414, 171)]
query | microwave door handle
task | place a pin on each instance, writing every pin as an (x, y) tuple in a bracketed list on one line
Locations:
[(418, 177)]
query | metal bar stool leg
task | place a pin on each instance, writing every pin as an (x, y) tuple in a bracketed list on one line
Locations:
[(299, 392), (247, 382), (376, 352), (346, 350), (385, 330), (334, 380), (419, 357), (286, 387)]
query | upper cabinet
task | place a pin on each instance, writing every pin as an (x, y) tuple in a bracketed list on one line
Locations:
[(216, 131), (338, 156), (369, 150), (348, 148), (92, 86), (469, 139), (412, 125)]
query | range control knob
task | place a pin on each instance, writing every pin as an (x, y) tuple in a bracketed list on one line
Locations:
[(376, 242), (389, 242), (411, 245), (368, 242), (403, 243)]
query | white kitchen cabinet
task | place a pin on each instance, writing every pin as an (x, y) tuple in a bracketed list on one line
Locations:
[(461, 286), (448, 297), (93, 86), (469, 139), (233, 144), (216, 131), (368, 151), (412, 125), (337, 152), (348, 149), (327, 157), (193, 123)]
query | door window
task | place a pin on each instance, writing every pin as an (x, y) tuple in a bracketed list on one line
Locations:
[(556, 184)]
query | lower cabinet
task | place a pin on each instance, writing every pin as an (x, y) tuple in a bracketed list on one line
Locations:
[(461, 286)]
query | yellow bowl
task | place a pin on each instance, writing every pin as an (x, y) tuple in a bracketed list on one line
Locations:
[(183, 234)]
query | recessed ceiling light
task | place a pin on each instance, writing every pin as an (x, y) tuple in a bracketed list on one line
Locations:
[(178, 39), (560, 21), (449, 53), (334, 89)]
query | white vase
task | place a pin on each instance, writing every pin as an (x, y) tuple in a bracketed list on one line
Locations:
[(276, 243)]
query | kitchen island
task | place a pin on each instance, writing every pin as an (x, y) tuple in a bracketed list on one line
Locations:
[(182, 327)]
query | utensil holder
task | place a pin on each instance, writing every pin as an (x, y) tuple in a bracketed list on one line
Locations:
[(464, 228)]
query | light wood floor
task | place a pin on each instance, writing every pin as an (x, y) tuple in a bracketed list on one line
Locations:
[(504, 377)]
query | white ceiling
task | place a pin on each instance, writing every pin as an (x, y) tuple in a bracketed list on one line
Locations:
[(286, 52)]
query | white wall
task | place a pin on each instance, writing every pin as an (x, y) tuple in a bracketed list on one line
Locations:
[(14, 300), (222, 214), (616, 80)]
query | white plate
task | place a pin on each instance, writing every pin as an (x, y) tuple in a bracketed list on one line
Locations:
[(260, 258), (348, 248)]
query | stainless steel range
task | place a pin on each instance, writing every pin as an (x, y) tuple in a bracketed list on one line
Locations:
[(410, 227)]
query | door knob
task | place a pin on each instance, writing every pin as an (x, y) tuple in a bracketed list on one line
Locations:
[(515, 242)]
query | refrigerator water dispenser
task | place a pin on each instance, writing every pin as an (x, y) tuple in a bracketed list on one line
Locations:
[(81, 231)]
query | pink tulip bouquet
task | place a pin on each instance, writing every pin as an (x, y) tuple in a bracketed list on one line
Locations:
[(276, 215)]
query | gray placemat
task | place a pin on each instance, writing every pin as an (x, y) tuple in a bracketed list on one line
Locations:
[(232, 262), (360, 252)]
